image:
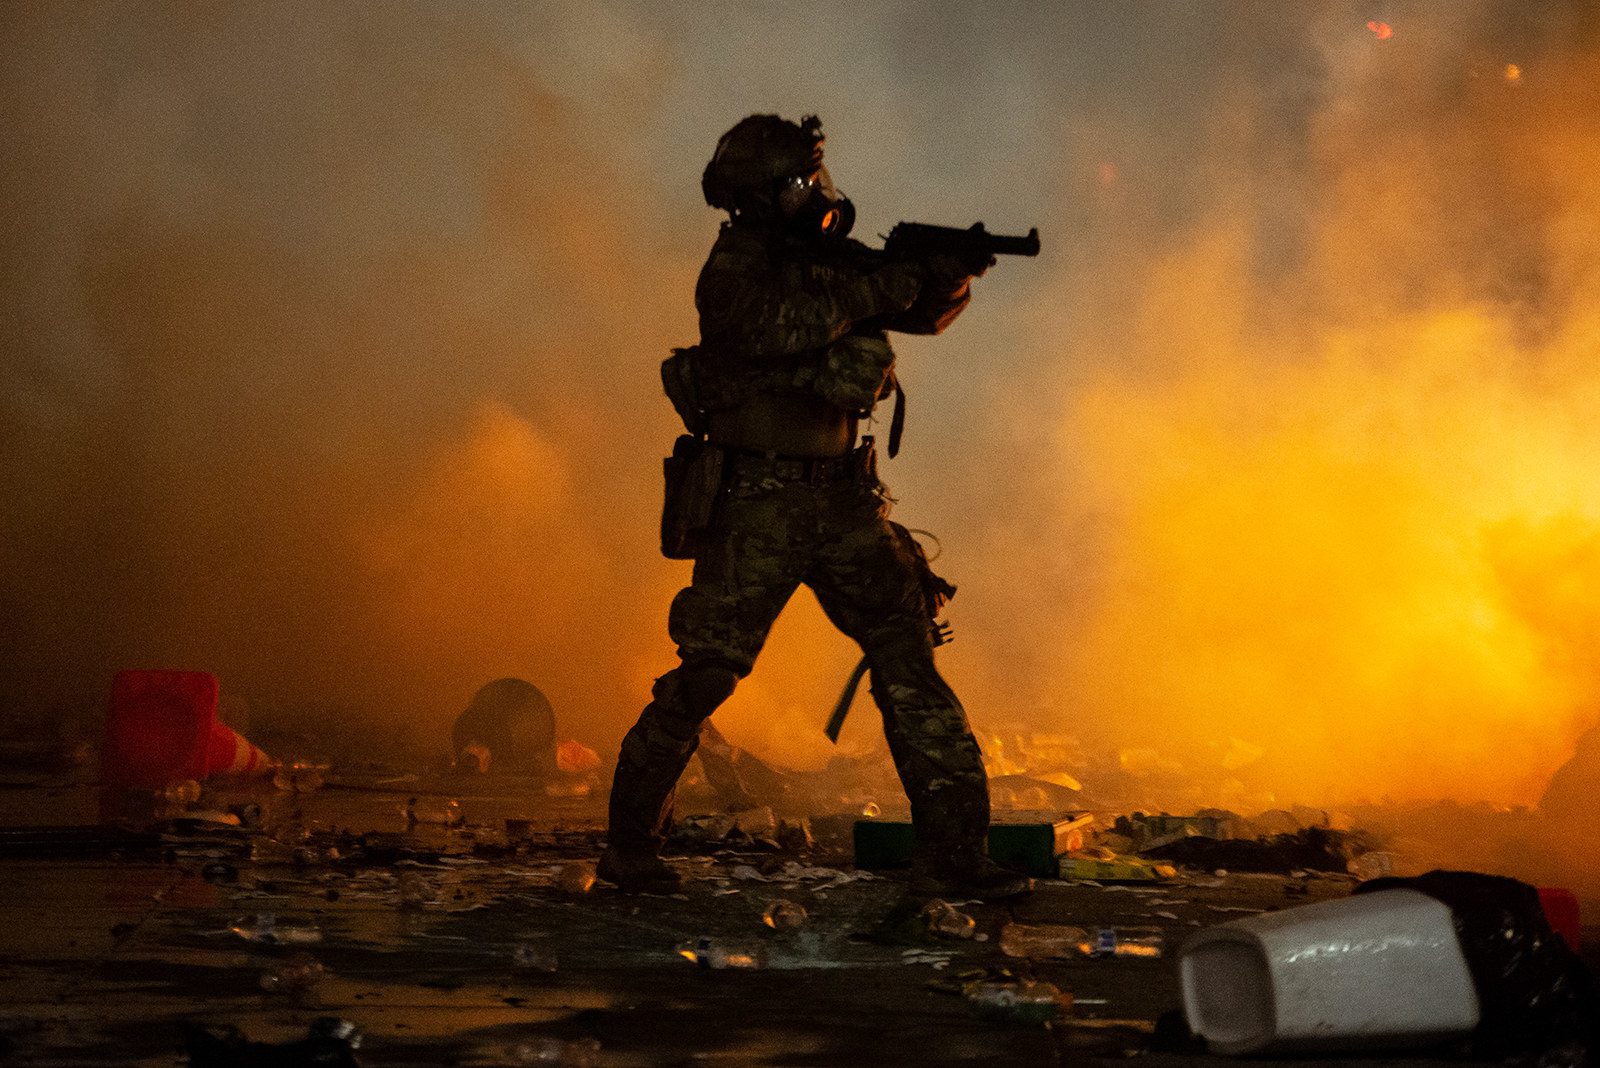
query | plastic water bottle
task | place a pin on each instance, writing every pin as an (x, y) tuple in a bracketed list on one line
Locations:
[(784, 915), (298, 777), (265, 928), (945, 919), (1127, 942), (443, 811), (721, 953), (1047, 941), (1025, 1001), (183, 793), (578, 1053), (295, 974), (576, 878), (416, 891), (534, 956)]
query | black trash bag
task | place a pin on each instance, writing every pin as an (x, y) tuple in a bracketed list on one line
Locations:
[(1534, 993)]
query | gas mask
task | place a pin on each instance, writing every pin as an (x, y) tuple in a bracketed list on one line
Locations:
[(813, 208)]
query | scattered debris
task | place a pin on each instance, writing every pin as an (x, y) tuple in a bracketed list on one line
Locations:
[(565, 1053), (947, 921), (294, 975), (266, 928), (719, 953), (330, 1043), (1103, 866), (442, 811), (536, 955), (783, 915), (575, 879), (1374, 865), (1047, 941), (1017, 1001), (1309, 849)]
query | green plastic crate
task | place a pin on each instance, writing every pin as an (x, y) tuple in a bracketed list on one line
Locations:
[(1029, 842)]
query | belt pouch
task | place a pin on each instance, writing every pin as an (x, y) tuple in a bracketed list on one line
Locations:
[(693, 486)]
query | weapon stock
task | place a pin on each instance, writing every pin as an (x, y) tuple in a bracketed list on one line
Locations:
[(842, 709)]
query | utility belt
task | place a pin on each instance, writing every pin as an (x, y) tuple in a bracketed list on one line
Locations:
[(699, 472), (858, 465)]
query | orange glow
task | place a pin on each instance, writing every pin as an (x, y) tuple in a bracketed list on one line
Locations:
[(1381, 30), (574, 756), (1355, 583), (1339, 519), (1513, 72)]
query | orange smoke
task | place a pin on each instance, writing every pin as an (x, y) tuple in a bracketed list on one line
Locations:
[(1348, 510)]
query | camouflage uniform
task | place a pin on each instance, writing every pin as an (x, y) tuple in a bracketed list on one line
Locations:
[(778, 315)]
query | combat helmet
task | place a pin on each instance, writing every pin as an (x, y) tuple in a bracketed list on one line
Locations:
[(760, 151)]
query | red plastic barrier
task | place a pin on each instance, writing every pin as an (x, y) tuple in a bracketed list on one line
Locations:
[(1561, 909), (162, 728), (159, 728)]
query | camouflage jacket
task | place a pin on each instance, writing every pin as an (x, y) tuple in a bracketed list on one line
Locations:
[(778, 315)]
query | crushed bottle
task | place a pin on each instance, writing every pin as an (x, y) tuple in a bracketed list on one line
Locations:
[(576, 878), (295, 974), (179, 794), (1045, 941), (299, 777), (719, 953), (265, 928), (442, 811), (534, 956), (1021, 1001), (946, 920), (576, 1053), (783, 915), (416, 890)]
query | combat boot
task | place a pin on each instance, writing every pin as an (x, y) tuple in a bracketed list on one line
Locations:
[(971, 877), (637, 871)]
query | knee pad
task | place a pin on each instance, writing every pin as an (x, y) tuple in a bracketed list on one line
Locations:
[(702, 687)]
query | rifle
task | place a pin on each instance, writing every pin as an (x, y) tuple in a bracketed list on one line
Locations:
[(974, 246)]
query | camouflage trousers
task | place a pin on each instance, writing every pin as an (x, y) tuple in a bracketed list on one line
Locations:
[(776, 530)]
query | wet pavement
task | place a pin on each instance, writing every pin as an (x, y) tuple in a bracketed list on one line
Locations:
[(482, 943)]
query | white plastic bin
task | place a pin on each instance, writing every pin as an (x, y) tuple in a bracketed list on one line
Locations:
[(1368, 971)]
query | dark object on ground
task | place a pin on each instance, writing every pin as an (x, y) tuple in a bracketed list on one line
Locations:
[(1533, 992), (1313, 849), (330, 1044), (508, 727)]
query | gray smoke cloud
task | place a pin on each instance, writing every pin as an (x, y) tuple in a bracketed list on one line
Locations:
[(331, 334)]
